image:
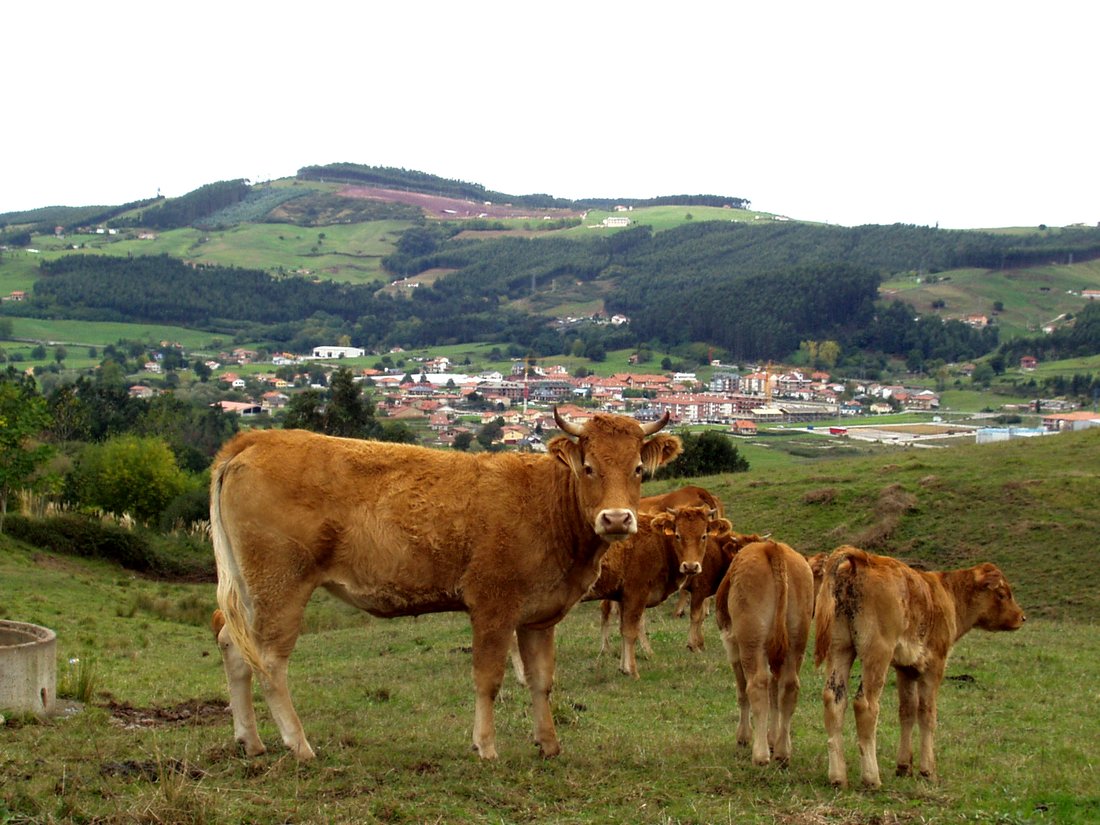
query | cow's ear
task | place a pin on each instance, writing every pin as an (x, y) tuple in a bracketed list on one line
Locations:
[(721, 526), (566, 451), (659, 450)]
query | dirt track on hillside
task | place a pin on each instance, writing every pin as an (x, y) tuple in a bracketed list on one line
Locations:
[(440, 207)]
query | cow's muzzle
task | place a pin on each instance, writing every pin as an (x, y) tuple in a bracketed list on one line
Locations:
[(616, 524), (691, 567)]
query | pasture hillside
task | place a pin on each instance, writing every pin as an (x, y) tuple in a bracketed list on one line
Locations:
[(388, 704), (1028, 505)]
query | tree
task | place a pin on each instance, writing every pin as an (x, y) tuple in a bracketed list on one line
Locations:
[(463, 440), (129, 474), (708, 453), (341, 411), (24, 416), (490, 433)]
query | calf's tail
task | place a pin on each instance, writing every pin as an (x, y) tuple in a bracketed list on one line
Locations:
[(778, 639)]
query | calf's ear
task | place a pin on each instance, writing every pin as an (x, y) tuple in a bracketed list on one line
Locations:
[(988, 576), (664, 523), (720, 526)]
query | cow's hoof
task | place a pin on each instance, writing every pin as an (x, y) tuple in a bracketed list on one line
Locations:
[(904, 770)]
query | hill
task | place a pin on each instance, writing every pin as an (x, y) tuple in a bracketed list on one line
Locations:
[(696, 273)]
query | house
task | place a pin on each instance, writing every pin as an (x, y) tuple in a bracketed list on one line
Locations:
[(744, 426), (1070, 421), (338, 352), (1090, 294), (1028, 362), (242, 408), (614, 220), (141, 391), (977, 320)]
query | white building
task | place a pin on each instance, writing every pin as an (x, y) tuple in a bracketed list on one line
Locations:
[(338, 352)]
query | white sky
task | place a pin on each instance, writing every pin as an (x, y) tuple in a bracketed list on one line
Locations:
[(963, 113)]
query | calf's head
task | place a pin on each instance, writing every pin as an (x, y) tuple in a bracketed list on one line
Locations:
[(996, 607), (608, 456), (689, 529)]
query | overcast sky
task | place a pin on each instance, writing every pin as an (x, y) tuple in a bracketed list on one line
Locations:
[(964, 114)]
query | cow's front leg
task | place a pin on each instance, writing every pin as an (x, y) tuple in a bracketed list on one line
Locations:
[(490, 655), (536, 647)]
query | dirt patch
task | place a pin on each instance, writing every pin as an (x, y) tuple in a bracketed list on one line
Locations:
[(190, 712), (150, 770), (437, 206), (825, 495)]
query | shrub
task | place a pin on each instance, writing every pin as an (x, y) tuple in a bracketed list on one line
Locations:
[(172, 557)]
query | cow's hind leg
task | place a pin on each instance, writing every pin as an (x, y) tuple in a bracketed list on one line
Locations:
[(238, 676), (537, 650), (276, 637)]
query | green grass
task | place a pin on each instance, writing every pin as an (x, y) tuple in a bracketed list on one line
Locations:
[(668, 217), (388, 704)]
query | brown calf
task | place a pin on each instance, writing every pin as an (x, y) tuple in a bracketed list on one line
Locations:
[(764, 607), (647, 568), (886, 613)]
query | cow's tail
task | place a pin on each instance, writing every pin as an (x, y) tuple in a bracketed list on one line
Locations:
[(233, 599), (825, 605), (778, 639)]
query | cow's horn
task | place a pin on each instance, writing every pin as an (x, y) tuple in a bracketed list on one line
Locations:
[(567, 426), (654, 426)]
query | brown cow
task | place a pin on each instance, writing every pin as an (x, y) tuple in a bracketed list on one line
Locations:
[(886, 613), (764, 607), (647, 568), (512, 539)]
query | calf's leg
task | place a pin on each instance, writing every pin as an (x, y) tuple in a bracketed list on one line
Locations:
[(876, 661), (907, 717), (835, 698)]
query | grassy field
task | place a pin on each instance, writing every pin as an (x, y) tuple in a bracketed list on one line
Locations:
[(668, 217), (1031, 298), (388, 704)]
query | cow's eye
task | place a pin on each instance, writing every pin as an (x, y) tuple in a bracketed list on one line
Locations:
[(589, 470), (639, 470)]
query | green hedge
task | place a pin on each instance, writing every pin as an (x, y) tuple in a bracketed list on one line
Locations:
[(145, 552)]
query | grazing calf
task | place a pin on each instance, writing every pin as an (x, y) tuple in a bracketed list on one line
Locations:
[(884, 612), (764, 607), (514, 540), (647, 568)]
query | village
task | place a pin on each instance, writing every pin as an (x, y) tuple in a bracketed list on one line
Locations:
[(430, 396)]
